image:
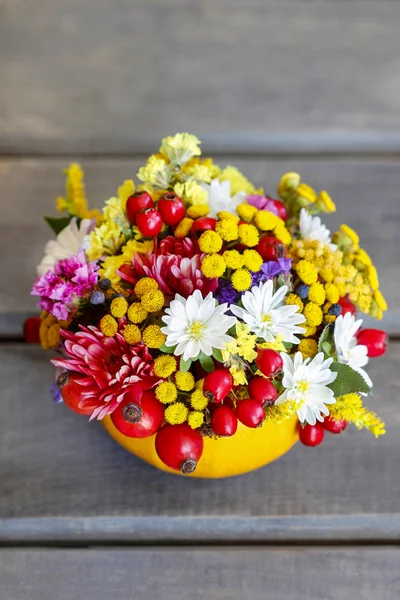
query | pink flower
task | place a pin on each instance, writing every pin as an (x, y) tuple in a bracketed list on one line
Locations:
[(262, 203), (110, 367), (62, 288)]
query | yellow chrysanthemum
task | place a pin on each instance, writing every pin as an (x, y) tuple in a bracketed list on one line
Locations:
[(197, 400), (294, 300), (153, 337), (108, 326), (210, 242), (307, 272), (248, 235), (197, 211), (246, 211), (166, 392), (308, 348), (213, 265), (156, 172), (132, 247), (180, 148), (227, 229), (233, 259), (266, 221), (176, 413), (118, 307), (316, 293), (136, 313), (132, 334), (252, 260), (191, 193), (238, 375), (183, 228), (144, 285), (313, 314), (106, 239), (152, 301), (195, 419), (241, 280), (164, 365), (184, 381)]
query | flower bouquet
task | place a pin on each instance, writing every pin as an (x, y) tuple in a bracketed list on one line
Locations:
[(208, 325)]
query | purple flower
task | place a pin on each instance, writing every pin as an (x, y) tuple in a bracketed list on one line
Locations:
[(272, 269), (225, 292), (262, 203), (61, 289)]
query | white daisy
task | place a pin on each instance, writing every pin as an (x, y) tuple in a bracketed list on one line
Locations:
[(196, 325), (311, 228), (305, 382), (68, 243), (219, 197), (349, 351), (267, 315)]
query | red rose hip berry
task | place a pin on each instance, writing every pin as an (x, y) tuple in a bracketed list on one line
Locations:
[(171, 209), (217, 385), (269, 362), (149, 222), (224, 421), (74, 395), (376, 341), (179, 447), (270, 248), (138, 419), (347, 306), (250, 412), (281, 209), (203, 224), (334, 425), (262, 390), (137, 202), (312, 435)]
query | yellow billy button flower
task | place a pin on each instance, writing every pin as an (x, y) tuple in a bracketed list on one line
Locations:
[(144, 285), (136, 313), (241, 280), (283, 234), (248, 235), (227, 229), (183, 228), (153, 337), (177, 413), (233, 259), (132, 334), (266, 221), (195, 419), (108, 326), (213, 265), (152, 301), (224, 214), (166, 392), (306, 192), (307, 272), (198, 210), (316, 293), (313, 314), (210, 242), (332, 293), (246, 211), (350, 233), (294, 300), (288, 183), (164, 365), (252, 260), (308, 348), (197, 400), (325, 202), (118, 307), (184, 381)]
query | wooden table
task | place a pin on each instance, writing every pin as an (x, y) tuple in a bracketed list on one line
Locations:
[(309, 86)]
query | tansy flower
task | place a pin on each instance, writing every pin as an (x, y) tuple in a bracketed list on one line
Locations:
[(213, 265), (153, 337), (68, 243), (305, 382), (198, 210), (316, 293), (219, 197), (210, 242), (267, 315), (108, 326), (164, 366), (144, 285), (313, 313), (252, 260), (308, 348), (195, 419), (307, 272), (241, 280), (233, 259), (197, 400), (195, 325), (348, 350), (248, 235), (152, 301), (246, 211), (132, 334), (166, 392), (184, 381), (227, 229), (266, 221), (136, 313), (176, 413), (311, 228), (118, 307)]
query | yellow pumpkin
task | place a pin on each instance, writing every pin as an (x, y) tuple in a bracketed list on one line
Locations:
[(247, 450)]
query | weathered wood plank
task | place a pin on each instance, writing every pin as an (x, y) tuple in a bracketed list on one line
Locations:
[(366, 193), (54, 464), (217, 573), (104, 77)]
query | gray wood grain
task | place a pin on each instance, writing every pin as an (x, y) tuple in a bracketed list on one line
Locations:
[(217, 573), (53, 463), (366, 193), (99, 77)]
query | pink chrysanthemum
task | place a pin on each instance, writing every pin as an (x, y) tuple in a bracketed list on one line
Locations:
[(110, 367), (62, 288)]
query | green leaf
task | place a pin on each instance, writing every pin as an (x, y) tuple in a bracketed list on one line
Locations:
[(217, 354), (184, 365), (347, 381), (326, 348), (325, 337), (58, 223), (206, 362), (167, 349)]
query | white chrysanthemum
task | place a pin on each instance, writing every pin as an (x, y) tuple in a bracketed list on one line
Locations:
[(196, 324), (311, 228), (306, 384), (349, 351), (219, 197), (267, 315), (68, 243)]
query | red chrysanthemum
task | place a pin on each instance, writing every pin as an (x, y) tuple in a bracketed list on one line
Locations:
[(110, 367)]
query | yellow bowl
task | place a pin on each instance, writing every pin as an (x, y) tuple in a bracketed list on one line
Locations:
[(247, 450)]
